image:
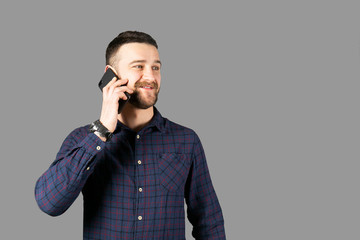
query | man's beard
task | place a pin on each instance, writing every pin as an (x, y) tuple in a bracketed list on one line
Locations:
[(144, 100)]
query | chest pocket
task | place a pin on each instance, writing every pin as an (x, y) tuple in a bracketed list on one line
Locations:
[(174, 170)]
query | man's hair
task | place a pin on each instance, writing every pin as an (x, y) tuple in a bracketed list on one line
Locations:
[(127, 37)]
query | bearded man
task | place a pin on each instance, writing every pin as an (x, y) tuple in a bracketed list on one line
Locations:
[(134, 168)]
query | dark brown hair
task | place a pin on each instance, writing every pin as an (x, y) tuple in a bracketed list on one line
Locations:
[(127, 37)]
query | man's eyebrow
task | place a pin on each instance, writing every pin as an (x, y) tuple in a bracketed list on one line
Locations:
[(142, 61)]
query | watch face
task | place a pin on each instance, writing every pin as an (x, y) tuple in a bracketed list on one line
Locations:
[(94, 127)]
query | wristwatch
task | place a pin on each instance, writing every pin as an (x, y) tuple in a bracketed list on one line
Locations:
[(99, 128)]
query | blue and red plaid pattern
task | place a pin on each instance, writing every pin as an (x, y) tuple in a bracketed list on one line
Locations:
[(134, 186)]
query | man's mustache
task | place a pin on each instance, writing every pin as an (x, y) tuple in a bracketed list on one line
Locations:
[(153, 85)]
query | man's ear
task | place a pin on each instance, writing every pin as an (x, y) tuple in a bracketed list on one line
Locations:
[(108, 66)]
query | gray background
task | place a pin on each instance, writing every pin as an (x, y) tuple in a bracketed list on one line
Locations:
[(271, 87)]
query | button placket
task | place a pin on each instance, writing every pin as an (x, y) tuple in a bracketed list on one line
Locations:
[(139, 180), (139, 189)]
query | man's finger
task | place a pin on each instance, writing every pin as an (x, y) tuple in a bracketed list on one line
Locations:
[(124, 89), (117, 84)]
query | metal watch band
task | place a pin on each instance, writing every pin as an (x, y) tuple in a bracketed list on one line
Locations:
[(98, 127)]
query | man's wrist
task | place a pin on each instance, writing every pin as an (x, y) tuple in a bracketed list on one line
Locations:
[(100, 130), (101, 138)]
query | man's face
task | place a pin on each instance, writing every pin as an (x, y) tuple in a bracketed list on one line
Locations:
[(140, 64)]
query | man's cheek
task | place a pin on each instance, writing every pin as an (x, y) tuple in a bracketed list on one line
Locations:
[(132, 81)]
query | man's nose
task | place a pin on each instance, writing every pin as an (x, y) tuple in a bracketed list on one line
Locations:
[(148, 74)]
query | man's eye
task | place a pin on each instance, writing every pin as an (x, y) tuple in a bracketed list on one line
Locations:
[(156, 68), (138, 66)]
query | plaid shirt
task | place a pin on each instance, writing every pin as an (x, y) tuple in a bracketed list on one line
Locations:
[(134, 186)]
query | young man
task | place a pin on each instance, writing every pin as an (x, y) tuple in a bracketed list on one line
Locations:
[(135, 168)]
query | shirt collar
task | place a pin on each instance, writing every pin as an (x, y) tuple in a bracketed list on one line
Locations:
[(157, 121)]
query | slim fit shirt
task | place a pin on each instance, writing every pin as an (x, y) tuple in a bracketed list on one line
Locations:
[(134, 185)]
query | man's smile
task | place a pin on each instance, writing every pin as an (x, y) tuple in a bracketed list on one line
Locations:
[(146, 85)]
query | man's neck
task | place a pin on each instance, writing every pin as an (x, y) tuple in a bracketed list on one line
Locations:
[(135, 118)]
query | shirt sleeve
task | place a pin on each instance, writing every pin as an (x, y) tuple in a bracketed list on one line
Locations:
[(61, 184), (203, 208)]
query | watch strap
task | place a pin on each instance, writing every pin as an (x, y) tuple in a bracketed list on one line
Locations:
[(98, 127)]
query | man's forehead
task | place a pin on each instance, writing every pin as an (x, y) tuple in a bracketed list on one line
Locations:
[(137, 51)]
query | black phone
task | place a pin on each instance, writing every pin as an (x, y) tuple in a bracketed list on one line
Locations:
[(106, 78)]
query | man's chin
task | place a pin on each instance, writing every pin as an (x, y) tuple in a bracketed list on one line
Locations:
[(142, 104), (141, 101)]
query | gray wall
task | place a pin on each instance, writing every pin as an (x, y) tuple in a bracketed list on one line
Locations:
[(271, 87)]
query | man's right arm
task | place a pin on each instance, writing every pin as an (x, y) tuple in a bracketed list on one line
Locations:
[(60, 185)]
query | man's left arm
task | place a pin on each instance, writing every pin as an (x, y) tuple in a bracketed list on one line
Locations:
[(203, 208)]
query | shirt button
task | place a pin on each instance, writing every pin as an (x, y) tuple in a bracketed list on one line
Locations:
[(140, 189), (139, 162), (138, 136), (98, 148), (140, 218)]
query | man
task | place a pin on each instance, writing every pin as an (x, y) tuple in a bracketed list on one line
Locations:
[(135, 168)]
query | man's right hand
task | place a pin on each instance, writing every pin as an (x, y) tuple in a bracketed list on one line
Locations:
[(112, 93)]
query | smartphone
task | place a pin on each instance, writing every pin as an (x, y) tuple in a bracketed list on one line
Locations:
[(106, 78)]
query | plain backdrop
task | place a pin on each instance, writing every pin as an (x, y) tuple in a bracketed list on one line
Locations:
[(271, 88)]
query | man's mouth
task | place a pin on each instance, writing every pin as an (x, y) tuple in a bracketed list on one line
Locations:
[(147, 87)]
